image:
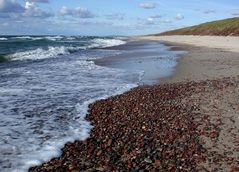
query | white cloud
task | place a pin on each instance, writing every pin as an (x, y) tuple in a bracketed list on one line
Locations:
[(29, 5), (12, 9), (156, 16), (76, 12), (148, 5), (151, 21), (147, 21), (166, 21), (66, 11), (10, 6), (40, 1), (32, 10), (209, 11), (179, 16), (235, 12), (5, 24), (117, 16)]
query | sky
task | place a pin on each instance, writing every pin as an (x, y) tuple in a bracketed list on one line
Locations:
[(108, 17)]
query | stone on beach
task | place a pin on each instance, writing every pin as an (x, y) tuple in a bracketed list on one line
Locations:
[(153, 128)]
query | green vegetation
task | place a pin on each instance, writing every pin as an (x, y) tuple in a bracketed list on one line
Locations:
[(226, 27), (2, 58)]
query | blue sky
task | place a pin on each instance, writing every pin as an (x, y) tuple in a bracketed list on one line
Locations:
[(108, 17)]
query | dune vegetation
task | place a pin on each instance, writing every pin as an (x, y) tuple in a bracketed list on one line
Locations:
[(226, 27)]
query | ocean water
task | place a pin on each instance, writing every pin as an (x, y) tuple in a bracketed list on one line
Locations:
[(45, 89)]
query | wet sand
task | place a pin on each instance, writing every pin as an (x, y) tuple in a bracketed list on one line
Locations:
[(152, 59), (201, 63), (189, 122)]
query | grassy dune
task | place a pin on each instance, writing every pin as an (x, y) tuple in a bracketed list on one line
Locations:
[(226, 27)]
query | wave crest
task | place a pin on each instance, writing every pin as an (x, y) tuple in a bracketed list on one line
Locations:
[(3, 39), (59, 45), (103, 43), (39, 53)]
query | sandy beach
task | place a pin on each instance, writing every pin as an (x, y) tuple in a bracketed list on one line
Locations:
[(208, 57), (187, 122), (201, 63), (230, 43)]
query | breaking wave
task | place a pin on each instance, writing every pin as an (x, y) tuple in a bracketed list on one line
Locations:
[(103, 43), (41, 53), (3, 39), (56, 46)]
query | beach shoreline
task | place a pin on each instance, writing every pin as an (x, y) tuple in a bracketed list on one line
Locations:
[(202, 63), (187, 122), (207, 57), (153, 59), (225, 43)]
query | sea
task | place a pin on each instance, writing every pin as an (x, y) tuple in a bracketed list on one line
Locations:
[(46, 85)]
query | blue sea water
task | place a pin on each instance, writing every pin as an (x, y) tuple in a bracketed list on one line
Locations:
[(45, 89)]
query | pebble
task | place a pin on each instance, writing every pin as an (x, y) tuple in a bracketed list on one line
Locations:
[(149, 128)]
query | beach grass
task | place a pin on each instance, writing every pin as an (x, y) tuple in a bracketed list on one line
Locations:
[(226, 27)]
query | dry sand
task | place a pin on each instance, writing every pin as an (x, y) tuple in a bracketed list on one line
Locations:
[(201, 63), (221, 42)]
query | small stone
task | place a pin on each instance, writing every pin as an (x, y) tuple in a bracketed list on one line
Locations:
[(157, 163), (214, 134), (109, 142), (99, 153), (148, 160)]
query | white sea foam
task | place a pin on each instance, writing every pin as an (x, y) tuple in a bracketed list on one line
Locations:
[(36, 38), (40, 53), (52, 148), (53, 38), (31, 140), (23, 37), (71, 38), (52, 52), (103, 43), (3, 39)]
